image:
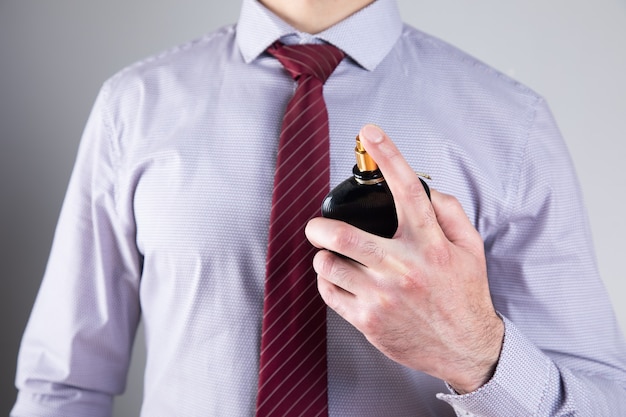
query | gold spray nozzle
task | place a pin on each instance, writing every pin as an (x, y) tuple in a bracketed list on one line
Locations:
[(363, 161)]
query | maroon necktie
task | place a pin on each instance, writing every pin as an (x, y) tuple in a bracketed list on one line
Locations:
[(293, 370)]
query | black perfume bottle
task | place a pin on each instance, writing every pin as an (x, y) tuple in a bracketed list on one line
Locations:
[(364, 200)]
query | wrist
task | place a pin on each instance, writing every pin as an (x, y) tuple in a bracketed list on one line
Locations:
[(483, 361)]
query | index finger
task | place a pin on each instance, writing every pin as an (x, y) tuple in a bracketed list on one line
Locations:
[(412, 203)]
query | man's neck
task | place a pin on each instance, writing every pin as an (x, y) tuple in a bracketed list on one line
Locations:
[(314, 16)]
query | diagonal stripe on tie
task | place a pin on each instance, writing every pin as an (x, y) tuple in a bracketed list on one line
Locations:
[(293, 365)]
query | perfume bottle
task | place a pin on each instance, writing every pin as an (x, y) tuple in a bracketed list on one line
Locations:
[(364, 200)]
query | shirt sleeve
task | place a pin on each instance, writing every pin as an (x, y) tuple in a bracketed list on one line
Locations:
[(77, 344), (563, 352), (528, 382)]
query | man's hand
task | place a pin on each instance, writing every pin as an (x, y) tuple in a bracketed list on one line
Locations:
[(422, 297)]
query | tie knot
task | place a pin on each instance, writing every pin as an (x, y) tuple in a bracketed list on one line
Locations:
[(316, 60)]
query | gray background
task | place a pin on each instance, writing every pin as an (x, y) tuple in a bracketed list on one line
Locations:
[(55, 55)]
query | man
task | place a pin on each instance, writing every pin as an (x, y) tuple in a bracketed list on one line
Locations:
[(487, 303)]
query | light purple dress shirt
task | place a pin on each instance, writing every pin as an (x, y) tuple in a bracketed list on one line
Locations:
[(167, 213)]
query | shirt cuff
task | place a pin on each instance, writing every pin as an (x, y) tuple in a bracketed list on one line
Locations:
[(518, 386)]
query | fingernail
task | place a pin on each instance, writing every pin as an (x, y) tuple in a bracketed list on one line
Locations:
[(372, 133)]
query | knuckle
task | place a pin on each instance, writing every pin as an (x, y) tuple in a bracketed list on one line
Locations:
[(336, 271), (416, 191), (418, 199), (429, 219), (371, 323), (439, 254), (376, 312), (374, 252), (450, 204), (344, 239), (347, 240), (324, 263), (330, 267), (448, 200), (410, 281)]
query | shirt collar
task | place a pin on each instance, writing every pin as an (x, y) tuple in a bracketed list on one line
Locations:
[(366, 36)]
